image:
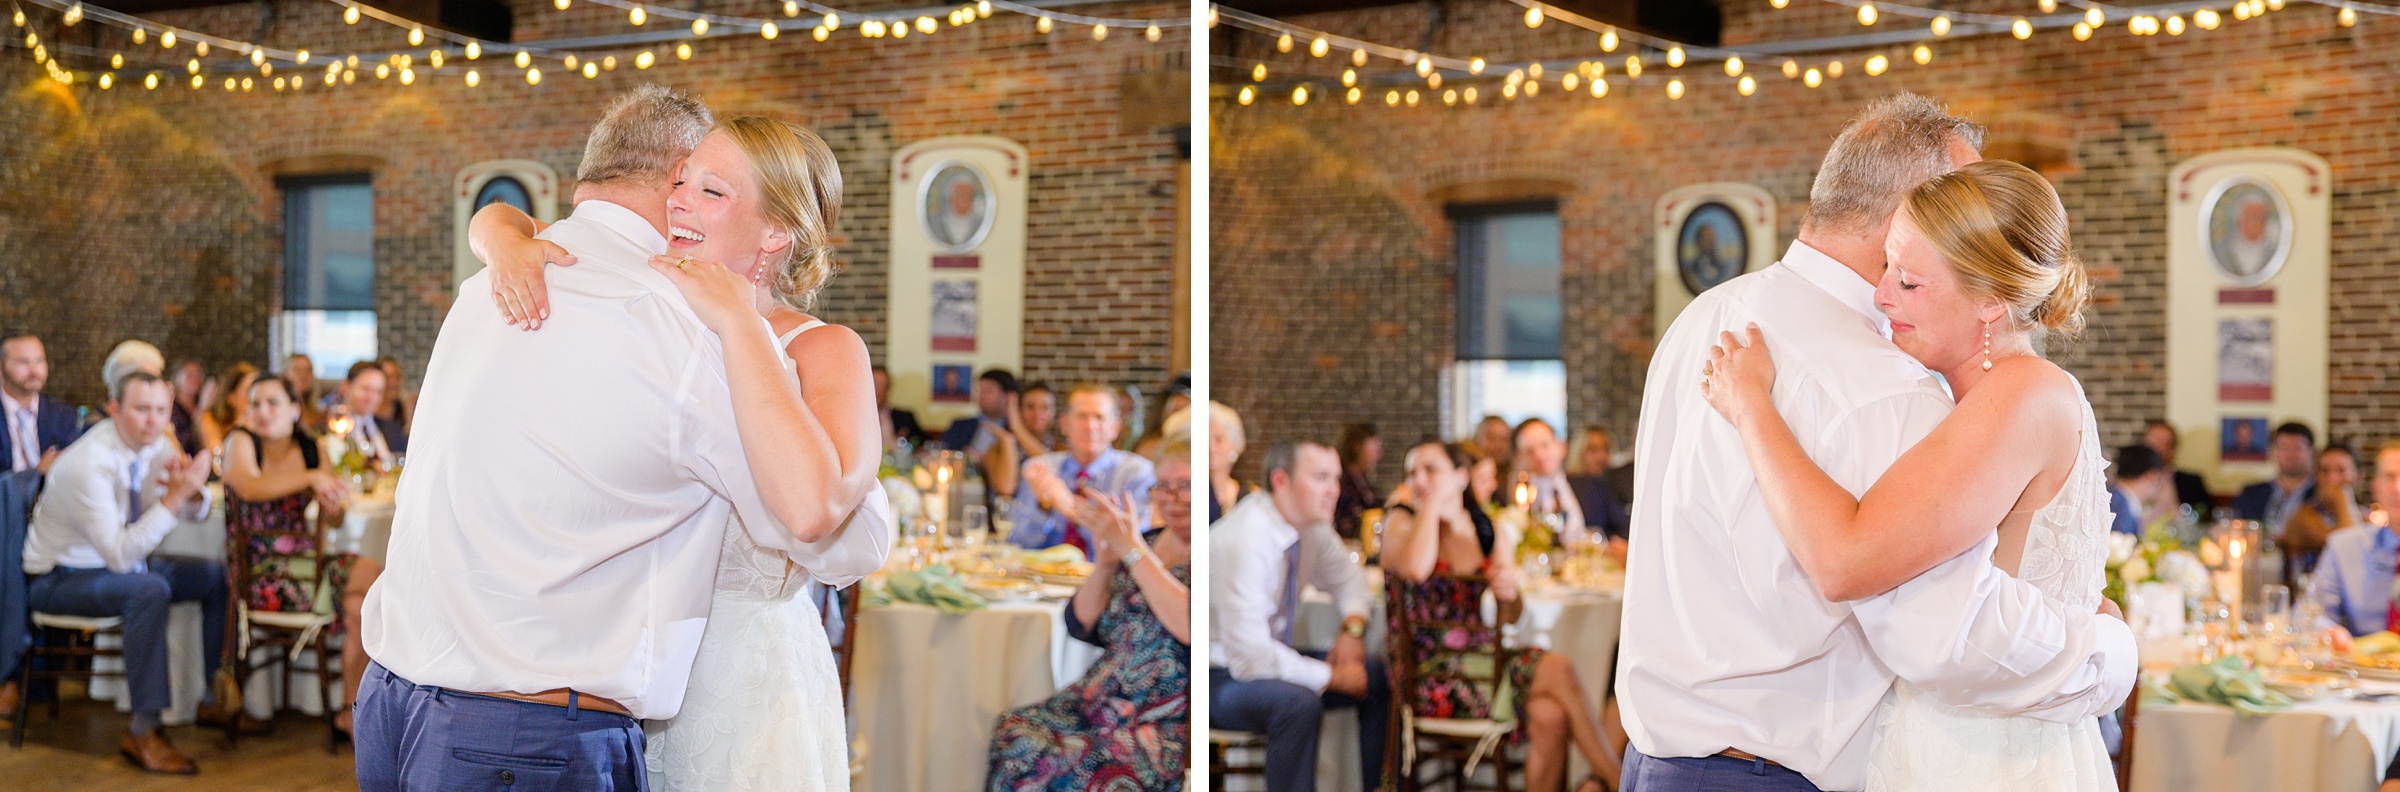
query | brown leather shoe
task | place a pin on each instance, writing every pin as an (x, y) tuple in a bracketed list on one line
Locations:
[(9, 697), (231, 718), (155, 754)]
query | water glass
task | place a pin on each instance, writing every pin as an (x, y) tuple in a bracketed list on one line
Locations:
[(975, 528)]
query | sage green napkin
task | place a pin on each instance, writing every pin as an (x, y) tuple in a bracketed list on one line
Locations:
[(2229, 682), (935, 585)]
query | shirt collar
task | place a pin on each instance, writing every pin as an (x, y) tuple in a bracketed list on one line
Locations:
[(10, 406), (1281, 532), (1836, 279), (630, 224), (2386, 538)]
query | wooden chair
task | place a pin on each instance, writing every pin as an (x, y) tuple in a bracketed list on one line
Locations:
[(290, 633), (1222, 743), (2133, 708), (843, 601), (1462, 743), (67, 645)]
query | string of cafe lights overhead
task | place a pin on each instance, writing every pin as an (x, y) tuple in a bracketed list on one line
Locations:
[(448, 48), (1881, 50)]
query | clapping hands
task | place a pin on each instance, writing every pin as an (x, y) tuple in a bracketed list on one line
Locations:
[(185, 476)]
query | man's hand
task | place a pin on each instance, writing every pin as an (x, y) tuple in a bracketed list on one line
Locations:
[(1506, 586), (1049, 490), (185, 477), (1347, 649), (2108, 607), (47, 458), (1349, 679)]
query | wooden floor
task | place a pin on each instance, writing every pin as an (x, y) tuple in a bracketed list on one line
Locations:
[(78, 751)]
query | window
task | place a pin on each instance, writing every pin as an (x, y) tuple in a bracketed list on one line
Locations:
[(1508, 316), (328, 271)]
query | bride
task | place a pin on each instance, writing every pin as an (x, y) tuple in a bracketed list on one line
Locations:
[(1979, 270), (763, 709)]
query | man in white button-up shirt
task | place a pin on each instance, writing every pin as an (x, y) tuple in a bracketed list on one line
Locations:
[(111, 497), (556, 538), (1263, 554), (1734, 666)]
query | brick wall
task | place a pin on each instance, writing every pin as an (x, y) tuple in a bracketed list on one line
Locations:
[(1332, 270), (154, 215)]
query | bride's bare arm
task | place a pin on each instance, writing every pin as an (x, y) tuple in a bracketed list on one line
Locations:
[(502, 237), (1939, 499), (837, 383)]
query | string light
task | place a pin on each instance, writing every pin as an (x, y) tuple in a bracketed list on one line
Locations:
[(416, 36), (349, 16), (1246, 95), (1284, 44), (2347, 17), (2094, 18), (2021, 29), (139, 35), (2206, 19), (1733, 66), (1566, 83), (700, 27), (1675, 57), (1391, 98), (683, 52), (524, 59), (192, 66), (19, 18), (1473, 67), (561, 4), (2241, 11), (1153, 34), (1468, 95), (590, 70), (1813, 78), (107, 80), (1352, 96), (196, 82), (1922, 55), (167, 41), (1876, 65), (474, 78), (819, 33), (767, 31), (1358, 57), (608, 63), (1349, 77), (1866, 14), (1608, 40), (1791, 69), (572, 62), (1316, 48), (2083, 31), (1941, 26), (301, 57), (150, 81), (1779, 3), (1300, 96), (1674, 89), (1041, 25), (1533, 17), (2047, 6), (1424, 67), (1433, 80), (833, 21), (1748, 86), (383, 71), (1834, 70), (200, 47), (73, 15), (2175, 24), (408, 76), (1258, 73), (643, 60), (116, 61), (533, 76), (1633, 66), (637, 16)]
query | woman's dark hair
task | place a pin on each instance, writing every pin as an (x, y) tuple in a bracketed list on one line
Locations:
[(1353, 443), (222, 410)]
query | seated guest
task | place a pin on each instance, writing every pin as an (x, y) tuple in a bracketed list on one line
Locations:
[(1542, 461), (1263, 553), (397, 407), (272, 473), (1129, 718), (1225, 445), (190, 380), (1033, 420), (111, 497), (1494, 438), (2354, 575), (1445, 535), (2190, 489), (2332, 506), (898, 425), (1048, 510), (2138, 479), (362, 396), (231, 407), (1587, 478), (34, 428), (977, 434), (302, 373), (2273, 501), (1360, 449)]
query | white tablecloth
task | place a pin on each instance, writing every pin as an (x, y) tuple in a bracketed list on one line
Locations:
[(928, 688), (1582, 623), (2316, 746), (366, 530)]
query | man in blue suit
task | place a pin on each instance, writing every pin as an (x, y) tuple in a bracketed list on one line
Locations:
[(2273, 501), (33, 427)]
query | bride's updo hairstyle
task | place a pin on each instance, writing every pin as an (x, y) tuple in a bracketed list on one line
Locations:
[(2002, 228), (800, 191)]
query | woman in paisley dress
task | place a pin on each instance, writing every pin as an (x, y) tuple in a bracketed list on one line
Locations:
[(1126, 725), (1979, 271), (272, 473), (1427, 542), (762, 709)]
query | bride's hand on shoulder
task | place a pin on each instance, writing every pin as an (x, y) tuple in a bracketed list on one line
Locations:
[(1739, 378), (718, 295), (504, 239)]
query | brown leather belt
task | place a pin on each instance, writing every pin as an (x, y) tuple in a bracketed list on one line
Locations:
[(1745, 756), (559, 698)]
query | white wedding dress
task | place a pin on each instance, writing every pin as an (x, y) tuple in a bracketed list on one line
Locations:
[(763, 709), (1923, 744)]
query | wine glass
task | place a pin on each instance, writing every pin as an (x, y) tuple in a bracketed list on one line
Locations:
[(975, 528)]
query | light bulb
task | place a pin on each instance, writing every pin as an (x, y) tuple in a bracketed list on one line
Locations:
[(2093, 17), (1599, 89), (1633, 66), (1814, 78), (1674, 57), (1941, 26), (637, 16), (1570, 82), (2083, 31), (2021, 29), (572, 61), (416, 36), (1391, 98), (1748, 86), (1041, 25), (246, 84), (266, 70), (524, 59), (192, 66), (348, 76), (1791, 69), (116, 61), (1433, 80), (1316, 48), (383, 71), (350, 15), (1450, 97), (533, 76), (1284, 43), (1674, 89), (820, 33), (107, 80), (1424, 66), (2241, 11), (1876, 64), (150, 82), (1349, 76), (590, 70), (699, 27), (196, 82), (1866, 13), (2347, 17), (1534, 71), (1779, 3), (1258, 73), (140, 36), (1533, 17), (474, 78), (2047, 6), (1352, 96), (767, 31), (19, 18), (791, 8), (608, 63), (2206, 19), (1246, 95), (408, 76), (1412, 98), (683, 52), (435, 58), (200, 47), (1834, 70), (1152, 33), (561, 4), (1300, 95), (1469, 95), (925, 24), (2175, 24), (1532, 88), (168, 41), (1475, 66), (474, 50), (833, 21), (1358, 57), (643, 60), (1608, 40), (1733, 66), (1923, 55), (74, 15)]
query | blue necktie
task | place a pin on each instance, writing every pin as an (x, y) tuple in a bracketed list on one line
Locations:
[(1291, 590), (133, 492)]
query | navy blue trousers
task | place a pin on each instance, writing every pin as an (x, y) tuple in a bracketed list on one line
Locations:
[(141, 598), (1289, 715), (421, 738), (1707, 774)]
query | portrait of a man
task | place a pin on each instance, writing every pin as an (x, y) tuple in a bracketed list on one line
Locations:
[(957, 207), (2248, 230), (1711, 248), (2245, 440), (953, 383)]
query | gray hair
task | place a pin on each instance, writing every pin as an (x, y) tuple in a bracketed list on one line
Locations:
[(643, 135), (127, 358), (1899, 142)]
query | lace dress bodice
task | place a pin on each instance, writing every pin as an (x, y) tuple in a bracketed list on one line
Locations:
[(752, 572), (1923, 744)]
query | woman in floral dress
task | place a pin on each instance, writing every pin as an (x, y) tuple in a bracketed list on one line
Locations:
[(272, 472), (1126, 725), (1423, 545)]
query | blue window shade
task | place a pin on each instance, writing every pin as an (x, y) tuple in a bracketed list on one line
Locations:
[(329, 244), (1508, 281)]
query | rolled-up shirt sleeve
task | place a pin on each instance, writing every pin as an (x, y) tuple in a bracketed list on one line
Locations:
[(1244, 604), (857, 548), (96, 504), (1965, 632), (1331, 571)]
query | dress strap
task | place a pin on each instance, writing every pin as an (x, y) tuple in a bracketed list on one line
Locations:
[(786, 339)]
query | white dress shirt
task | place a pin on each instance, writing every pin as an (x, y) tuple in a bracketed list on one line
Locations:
[(1247, 577), (567, 490), (1727, 643), (85, 520), (24, 432)]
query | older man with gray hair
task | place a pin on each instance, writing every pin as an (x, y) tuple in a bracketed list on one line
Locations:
[(555, 544), (1765, 684)]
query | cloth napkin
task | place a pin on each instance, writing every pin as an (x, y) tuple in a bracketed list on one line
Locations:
[(935, 585), (2229, 682)]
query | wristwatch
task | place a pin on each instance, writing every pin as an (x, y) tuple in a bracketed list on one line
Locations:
[(1133, 555), (1354, 627)]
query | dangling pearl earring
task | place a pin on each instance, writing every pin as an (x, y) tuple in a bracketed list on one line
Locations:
[(1987, 346)]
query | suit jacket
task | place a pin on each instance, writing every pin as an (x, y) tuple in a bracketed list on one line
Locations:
[(2253, 502), (394, 437), (2191, 491), (905, 427), (16, 517), (1602, 512), (1620, 484), (54, 427)]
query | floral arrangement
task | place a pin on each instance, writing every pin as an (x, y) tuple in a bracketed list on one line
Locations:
[(2158, 556)]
